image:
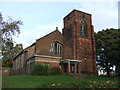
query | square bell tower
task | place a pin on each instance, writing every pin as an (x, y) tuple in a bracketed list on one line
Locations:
[(79, 42)]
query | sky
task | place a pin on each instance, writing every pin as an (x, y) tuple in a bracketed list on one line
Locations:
[(41, 18)]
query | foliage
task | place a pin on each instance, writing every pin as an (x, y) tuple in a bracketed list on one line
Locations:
[(9, 50), (7, 62), (54, 71), (107, 47), (39, 69), (7, 30), (58, 81), (95, 84)]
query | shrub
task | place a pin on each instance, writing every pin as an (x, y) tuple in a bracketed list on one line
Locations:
[(39, 69), (54, 71)]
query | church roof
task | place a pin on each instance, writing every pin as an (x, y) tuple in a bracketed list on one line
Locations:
[(50, 33)]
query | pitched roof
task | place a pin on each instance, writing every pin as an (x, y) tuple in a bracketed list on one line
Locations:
[(19, 53), (49, 34)]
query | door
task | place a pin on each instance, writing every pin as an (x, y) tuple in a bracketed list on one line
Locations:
[(72, 68)]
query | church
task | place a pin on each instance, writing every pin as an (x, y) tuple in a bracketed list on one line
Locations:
[(72, 51)]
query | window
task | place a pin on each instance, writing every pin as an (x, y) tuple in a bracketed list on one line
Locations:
[(69, 31), (85, 49), (16, 64), (83, 15), (46, 64), (83, 28), (56, 48)]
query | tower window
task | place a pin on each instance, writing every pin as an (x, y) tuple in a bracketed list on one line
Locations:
[(56, 48), (83, 15), (69, 31), (83, 28)]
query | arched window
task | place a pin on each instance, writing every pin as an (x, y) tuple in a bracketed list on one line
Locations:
[(56, 48), (68, 33), (83, 28)]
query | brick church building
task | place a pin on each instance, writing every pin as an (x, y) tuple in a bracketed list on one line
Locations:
[(73, 50)]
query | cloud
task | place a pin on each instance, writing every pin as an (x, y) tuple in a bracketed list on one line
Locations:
[(60, 0), (104, 15), (29, 37)]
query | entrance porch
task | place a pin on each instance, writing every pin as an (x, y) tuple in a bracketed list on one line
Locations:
[(71, 66)]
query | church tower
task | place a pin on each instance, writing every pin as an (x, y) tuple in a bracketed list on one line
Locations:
[(79, 43)]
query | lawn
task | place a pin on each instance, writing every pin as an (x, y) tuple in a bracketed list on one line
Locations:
[(58, 81)]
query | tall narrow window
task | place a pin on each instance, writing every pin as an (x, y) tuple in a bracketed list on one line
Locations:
[(56, 48), (83, 28), (69, 31)]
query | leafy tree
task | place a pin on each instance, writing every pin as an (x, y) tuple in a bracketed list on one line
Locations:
[(108, 48), (7, 30), (7, 62), (9, 51)]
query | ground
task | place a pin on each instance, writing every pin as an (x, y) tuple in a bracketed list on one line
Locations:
[(58, 81)]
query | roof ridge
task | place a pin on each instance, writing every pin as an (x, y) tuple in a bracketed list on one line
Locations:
[(48, 34)]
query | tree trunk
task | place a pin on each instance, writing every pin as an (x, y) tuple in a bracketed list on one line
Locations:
[(116, 69), (108, 69)]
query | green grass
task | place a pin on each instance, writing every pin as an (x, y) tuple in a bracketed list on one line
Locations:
[(57, 81)]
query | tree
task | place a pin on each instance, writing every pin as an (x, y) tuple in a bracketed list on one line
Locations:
[(9, 51), (107, 47), (7, 30)]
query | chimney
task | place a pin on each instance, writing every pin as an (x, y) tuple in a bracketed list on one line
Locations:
[(56, 28)]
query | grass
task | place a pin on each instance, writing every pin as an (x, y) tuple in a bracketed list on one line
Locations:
[(58, 81)]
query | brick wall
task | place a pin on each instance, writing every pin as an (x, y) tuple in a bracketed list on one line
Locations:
[(31, 50), (53, 62), (5, 71), (19, 64), (45, 42)]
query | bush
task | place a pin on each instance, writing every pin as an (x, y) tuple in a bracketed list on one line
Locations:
[(54, 71), (39, 69)]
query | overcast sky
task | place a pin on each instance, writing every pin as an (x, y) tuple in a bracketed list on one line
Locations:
[(41, 18)]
